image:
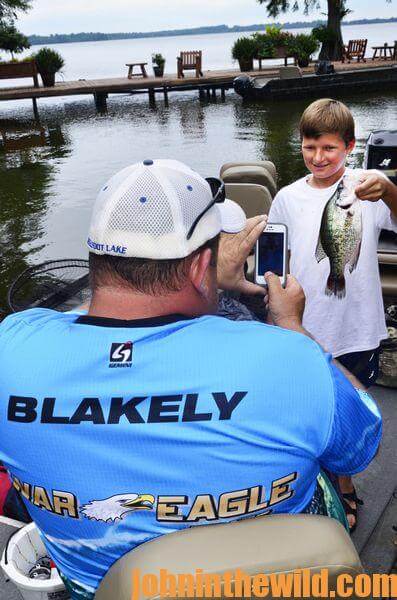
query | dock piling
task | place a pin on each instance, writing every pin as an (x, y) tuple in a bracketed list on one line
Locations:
[(35, 109), (100, 99), (152, 97)]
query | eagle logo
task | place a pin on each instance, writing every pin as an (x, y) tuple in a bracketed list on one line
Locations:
[(116, 507)]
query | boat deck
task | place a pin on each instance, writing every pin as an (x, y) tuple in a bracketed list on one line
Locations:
[(374, 538)]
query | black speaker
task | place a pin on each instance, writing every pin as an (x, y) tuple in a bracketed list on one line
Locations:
[(381, 153)]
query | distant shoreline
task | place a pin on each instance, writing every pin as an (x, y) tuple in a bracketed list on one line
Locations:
[(70, 38)]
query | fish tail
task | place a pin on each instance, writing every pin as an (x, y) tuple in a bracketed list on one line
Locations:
[(336, 285)]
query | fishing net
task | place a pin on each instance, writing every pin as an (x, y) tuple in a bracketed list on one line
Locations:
[(59, 284)]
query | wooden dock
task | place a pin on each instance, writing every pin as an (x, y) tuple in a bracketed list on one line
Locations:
[(207, 86)]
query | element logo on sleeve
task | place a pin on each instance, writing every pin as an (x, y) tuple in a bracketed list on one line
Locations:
[(121, 354)]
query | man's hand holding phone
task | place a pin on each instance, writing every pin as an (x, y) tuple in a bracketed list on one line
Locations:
[(271, 252), (285, 304), (234, 250)]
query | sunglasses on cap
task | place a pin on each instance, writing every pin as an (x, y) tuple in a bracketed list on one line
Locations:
[(218, 195)]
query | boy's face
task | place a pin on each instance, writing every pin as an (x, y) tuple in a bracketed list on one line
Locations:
[(325, 156)]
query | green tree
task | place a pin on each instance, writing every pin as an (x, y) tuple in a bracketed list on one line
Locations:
[(9, 8), (332, 47), (12, 40)]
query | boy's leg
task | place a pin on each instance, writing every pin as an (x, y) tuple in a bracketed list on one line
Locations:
[(365, 366)]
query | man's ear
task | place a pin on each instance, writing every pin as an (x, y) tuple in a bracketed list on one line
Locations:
[(199, 269)]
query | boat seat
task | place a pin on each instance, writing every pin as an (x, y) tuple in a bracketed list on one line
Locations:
[(250, 174), (388, 280), (290, 72), (265, 544), (254, 199), (266, 164), (388, 273)]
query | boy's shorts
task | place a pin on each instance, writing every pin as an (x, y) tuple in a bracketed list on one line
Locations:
[(364, 365)]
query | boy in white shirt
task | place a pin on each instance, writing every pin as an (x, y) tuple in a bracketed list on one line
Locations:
[(333, 239)]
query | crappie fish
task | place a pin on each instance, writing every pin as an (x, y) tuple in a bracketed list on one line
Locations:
[(340, 235)]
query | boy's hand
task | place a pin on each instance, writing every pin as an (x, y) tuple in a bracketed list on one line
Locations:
[(373, 186), (286, 305), (234, 250)]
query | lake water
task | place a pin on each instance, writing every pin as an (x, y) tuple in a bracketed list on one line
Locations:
[(51, 170)]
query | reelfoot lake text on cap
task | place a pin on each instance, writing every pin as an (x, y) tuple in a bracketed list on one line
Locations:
[(106, 248)]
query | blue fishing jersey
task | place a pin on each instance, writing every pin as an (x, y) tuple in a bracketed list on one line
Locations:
[(116, 432)]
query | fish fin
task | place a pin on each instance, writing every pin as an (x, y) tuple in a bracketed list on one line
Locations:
[(336, 285), (356, 256), (320, 252)]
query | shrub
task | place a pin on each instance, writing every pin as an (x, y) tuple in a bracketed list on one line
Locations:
[(304, 45), (12, 40), (323, 34), (158, 59), (48, 60), (244, 48)]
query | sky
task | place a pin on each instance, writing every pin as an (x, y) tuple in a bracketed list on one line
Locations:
[(72, 16)]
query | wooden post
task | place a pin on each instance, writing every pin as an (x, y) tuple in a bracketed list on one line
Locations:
[(100, 101), (208, 94), (35, 109), (152, 97), (214, 94), (201, 93), (223, 95), (165, 95)]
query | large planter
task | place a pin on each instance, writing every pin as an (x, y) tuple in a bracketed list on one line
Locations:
[(303, 62), (246, 64), (280, 52), (48, 78), (158, 71), (21, 69)]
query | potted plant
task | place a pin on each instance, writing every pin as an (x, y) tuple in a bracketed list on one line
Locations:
[(158, 62), (279, 40), (245, 50), (48, 63), (265, 47), (302, 48)]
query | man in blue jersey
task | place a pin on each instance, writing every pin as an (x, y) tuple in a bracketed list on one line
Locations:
[(149, 413)]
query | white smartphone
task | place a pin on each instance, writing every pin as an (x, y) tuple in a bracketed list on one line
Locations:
[(271, 253)]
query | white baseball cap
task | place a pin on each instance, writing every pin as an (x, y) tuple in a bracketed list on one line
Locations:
[(160, 209)]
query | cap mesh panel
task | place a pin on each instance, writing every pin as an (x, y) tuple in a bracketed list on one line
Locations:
[(153, 217), (192, 202)]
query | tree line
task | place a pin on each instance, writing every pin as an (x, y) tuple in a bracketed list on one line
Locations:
[(64, 38)]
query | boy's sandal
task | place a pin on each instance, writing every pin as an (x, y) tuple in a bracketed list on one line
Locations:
[(349, 510)]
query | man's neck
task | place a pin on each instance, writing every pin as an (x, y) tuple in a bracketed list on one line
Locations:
[(119, 303), (327, 182)]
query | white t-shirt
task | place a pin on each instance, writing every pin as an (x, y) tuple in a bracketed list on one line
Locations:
[(354, 322)]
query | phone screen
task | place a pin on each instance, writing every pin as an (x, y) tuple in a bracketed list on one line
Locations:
[(271, 246)]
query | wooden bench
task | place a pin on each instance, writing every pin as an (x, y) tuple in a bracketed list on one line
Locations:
[(281, 53), (131, 66), (189, 61), (355, 49), (384, 52), (19, 70)]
